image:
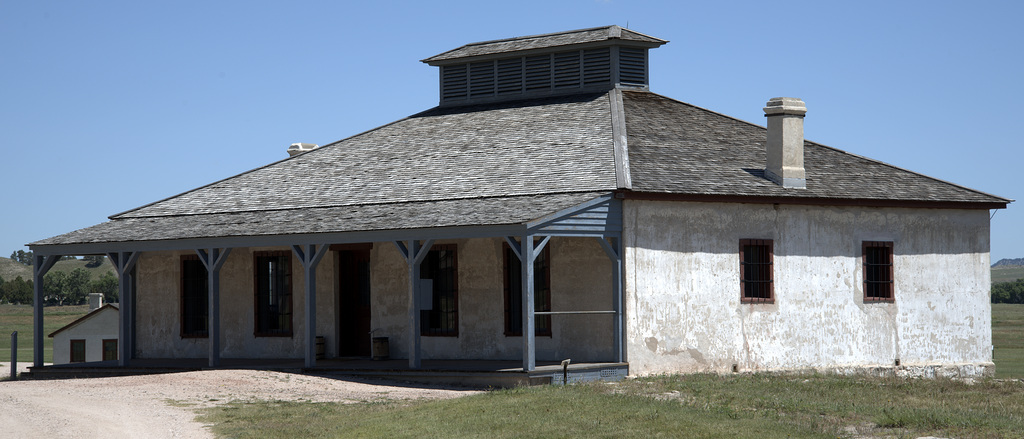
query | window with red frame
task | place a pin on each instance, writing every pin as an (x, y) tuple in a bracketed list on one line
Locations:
[(756, 271), (879, 285)]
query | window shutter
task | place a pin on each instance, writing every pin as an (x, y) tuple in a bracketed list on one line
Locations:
[(632, 66), (510, 76), (597, 66), (567, 70), (481, 79), (454, 82), (538, 72)]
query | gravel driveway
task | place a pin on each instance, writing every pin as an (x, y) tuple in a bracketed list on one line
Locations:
[(162, 406)]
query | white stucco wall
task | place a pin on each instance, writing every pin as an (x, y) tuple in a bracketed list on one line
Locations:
[(683, 295), (580, 280), (97, 327)]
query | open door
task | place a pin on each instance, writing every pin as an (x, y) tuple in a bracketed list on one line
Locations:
[(354, 303)]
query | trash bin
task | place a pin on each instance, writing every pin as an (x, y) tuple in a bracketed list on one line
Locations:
[(381, 349)]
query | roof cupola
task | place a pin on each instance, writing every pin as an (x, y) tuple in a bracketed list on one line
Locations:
[(580, 61)]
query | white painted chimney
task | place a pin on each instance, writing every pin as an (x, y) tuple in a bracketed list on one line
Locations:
[(299, 148), (786, 142), (95, 301)]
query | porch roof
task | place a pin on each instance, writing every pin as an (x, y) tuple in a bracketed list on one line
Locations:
[(492, 216)]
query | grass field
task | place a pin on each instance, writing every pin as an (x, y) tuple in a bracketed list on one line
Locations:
[(703, 406), (19, 318), (1007, 273), (10, 269), (707, 406), (1008, 339)]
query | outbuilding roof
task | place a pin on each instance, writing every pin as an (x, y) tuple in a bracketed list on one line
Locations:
[(84, 318)]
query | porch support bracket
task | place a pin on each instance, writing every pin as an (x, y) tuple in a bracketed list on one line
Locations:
[(123, 263), (40, 265), (613, 248), (213, 259), (414, 253), (310, 255)]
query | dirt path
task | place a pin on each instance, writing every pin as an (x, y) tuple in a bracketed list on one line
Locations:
[(162, 406)]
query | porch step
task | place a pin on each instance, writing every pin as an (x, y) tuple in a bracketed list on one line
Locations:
[(57, 373), (496, 378)]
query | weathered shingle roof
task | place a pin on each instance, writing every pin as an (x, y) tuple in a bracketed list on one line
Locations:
[(678, 148), (544, 41), (507, 164), (547, 146)]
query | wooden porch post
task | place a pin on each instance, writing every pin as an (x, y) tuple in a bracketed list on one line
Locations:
[(310, 257), (414, 254), (529, 319), (213, 259), (123, 264), (40, 265)]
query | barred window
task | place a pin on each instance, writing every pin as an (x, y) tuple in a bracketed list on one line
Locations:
[(514, 293), (441, 267), (194, 298), (273, 294), (756, 271), (878, 274)]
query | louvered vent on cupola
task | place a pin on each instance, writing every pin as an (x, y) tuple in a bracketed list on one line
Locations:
[(583, 61)]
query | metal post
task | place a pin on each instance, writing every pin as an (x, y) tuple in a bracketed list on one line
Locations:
[(14, 356), (614, 250)]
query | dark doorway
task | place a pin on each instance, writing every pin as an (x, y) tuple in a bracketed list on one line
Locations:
[(354, 303)]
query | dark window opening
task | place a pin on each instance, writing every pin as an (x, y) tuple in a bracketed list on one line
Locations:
[(514, 293), (878, 273), (77, 351), (756, 271), (109, 349), (194, 298), (273, 294), (441, 267)]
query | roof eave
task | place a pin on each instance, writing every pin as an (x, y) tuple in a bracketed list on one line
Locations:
[(820, 201)]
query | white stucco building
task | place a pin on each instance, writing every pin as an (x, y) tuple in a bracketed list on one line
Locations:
[(659, 236), (90, 338)]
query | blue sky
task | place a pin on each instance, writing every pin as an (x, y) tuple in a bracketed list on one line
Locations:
[(106, 106)]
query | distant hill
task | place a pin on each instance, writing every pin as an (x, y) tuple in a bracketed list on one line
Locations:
[(1019, 262), (10, 269)]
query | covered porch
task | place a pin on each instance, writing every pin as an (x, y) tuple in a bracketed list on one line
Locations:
[(597, 219)]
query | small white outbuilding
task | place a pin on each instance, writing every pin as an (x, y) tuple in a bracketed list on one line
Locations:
[(90, 338)]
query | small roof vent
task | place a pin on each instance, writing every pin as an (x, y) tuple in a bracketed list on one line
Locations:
[(299, 148), (580, 61)]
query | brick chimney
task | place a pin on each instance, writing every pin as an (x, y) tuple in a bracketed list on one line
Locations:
[(786, 142)]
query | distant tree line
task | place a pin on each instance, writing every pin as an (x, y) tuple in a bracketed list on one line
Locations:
[(60, 287), (1008, 292)]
